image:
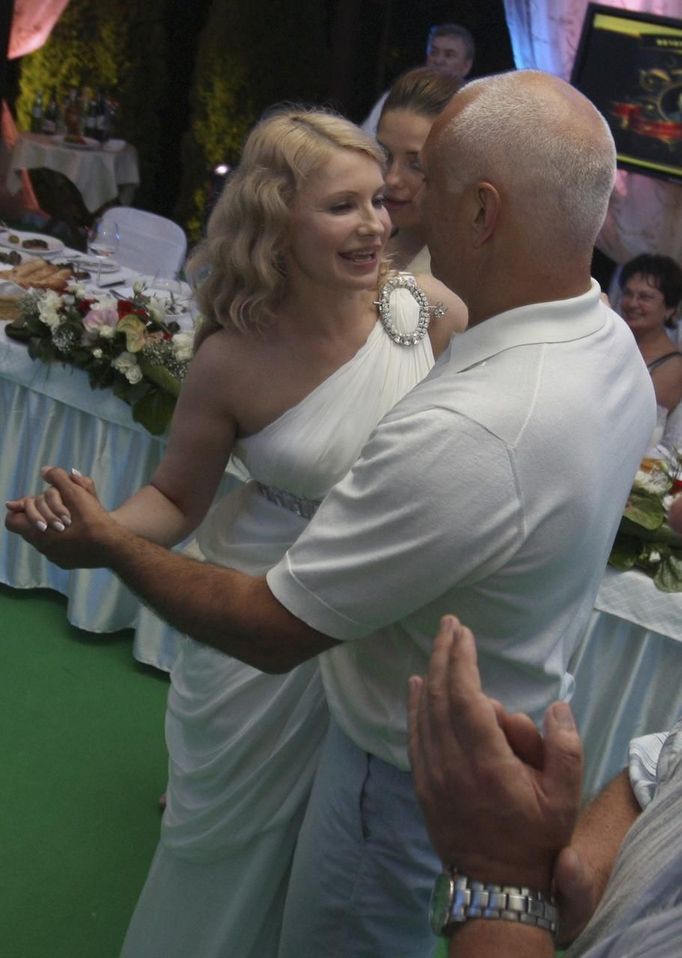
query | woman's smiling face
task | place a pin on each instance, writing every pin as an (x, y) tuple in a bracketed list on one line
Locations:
[(339, 224), (642, 305), (402, 134)]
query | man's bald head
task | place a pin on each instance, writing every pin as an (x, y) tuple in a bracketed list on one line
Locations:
[(540, 142)]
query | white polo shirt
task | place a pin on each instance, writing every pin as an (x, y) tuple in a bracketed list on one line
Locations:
[(492, 491)]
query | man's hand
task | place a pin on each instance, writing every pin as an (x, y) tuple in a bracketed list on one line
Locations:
[(85, 542), (47, 508), (500, 800)]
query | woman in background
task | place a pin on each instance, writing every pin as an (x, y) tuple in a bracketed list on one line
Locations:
[(651, 293), (413, 103)]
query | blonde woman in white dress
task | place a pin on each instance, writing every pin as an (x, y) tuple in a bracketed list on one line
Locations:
[(294, 367)]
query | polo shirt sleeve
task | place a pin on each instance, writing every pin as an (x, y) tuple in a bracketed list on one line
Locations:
[(431, 503)]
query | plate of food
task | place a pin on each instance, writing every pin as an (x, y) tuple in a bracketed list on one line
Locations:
[(34, 243), (36, 274), (77, 142)]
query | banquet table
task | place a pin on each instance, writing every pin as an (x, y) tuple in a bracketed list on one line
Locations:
[(627, 669), (49, 415), (101, 175)]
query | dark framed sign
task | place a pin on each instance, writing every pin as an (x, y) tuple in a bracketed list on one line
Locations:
[(630, 66)]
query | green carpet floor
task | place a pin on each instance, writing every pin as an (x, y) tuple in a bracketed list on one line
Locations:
[(82, 764)]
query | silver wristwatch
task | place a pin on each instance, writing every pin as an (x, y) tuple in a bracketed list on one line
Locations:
[(456, 899)]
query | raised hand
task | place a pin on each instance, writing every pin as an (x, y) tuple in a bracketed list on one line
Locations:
[(500, 800)]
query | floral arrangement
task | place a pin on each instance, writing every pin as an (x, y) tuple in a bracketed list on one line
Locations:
[(645, 540), (123, 344)]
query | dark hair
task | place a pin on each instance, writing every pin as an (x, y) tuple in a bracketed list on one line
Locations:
[(664, 272), (422, 90), (453, 30)]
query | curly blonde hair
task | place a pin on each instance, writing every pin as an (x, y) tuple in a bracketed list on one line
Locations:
[(239, 268)]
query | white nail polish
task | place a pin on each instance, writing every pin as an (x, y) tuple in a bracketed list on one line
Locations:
[(75, 472), (59, 526), (66, 520), (42, 526)]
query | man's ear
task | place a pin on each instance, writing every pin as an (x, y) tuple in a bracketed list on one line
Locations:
[(487, 212)]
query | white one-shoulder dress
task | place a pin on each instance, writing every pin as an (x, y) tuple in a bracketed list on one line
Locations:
[(243, 745)]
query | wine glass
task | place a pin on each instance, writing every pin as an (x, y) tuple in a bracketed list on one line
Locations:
[(103, 241)]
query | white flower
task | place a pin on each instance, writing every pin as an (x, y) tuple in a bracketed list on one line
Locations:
[(106, 301), (157, 309), (654, 556), (139, 286), (48, 309), (127, 364), (76, 289), (183, 346), (97, 352)]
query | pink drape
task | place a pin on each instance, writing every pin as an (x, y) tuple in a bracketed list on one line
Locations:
[(645, 214), (32, 23)]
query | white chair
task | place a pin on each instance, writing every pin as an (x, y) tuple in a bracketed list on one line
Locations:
[(148, 243)]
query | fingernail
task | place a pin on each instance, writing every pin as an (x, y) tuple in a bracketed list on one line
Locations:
[(66, 520), (42, 526), (44, 469), (75, 472), (58, 526), (563, 716)]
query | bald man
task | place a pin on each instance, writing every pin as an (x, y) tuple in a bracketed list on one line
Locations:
[(494, 489)]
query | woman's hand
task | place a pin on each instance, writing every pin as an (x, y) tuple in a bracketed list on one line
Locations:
[(47, 509)]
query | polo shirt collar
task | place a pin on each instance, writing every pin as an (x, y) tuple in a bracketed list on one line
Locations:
[(559, 321)]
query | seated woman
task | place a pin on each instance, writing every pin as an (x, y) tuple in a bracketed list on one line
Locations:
[(651, 293), (413, 103)]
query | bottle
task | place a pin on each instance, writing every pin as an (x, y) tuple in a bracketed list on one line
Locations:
[(72, 113), (90, 121), (50, 117), (37, 113), (101, 124)]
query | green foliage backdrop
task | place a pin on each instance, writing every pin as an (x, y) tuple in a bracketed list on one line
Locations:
[(250, 55), (247, 55)]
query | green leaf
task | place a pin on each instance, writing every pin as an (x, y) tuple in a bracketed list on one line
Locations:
[(162, 377), (668, 578), (624, 552), (645, 510), (154, 412)]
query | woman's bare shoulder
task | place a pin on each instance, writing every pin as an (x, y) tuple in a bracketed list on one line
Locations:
[(453, 320)]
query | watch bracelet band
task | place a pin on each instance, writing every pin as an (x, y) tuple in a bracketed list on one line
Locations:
[(476, 899)]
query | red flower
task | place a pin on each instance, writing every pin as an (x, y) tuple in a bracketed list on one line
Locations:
[(124, 307)]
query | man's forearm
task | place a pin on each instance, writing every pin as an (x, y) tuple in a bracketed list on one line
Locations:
[(227, 609)]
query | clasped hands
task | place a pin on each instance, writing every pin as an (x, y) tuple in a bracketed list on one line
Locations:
[(67, 523), (500, 799)]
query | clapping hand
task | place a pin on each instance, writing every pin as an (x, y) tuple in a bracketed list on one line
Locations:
[(500, 800)]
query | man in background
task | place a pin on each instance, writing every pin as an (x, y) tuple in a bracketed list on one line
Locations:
[(450, 48)]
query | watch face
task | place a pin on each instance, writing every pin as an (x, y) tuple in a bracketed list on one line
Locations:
[(441, 903)]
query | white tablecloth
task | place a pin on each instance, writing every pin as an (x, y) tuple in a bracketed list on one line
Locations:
[(100, 175), (628, 671)]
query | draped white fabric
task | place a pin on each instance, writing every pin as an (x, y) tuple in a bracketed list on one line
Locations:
[(38, 430), (645, 214), (627, 671), (50, 416)]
